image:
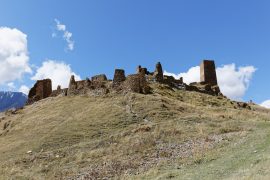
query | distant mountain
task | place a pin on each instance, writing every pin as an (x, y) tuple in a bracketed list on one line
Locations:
[(10, 100)]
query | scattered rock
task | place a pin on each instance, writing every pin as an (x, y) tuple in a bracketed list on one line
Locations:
[(29, 152)]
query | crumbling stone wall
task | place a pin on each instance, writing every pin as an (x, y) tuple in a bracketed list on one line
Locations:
[(119, 77), (83, 87), (100, 77), (142, 71), (56, 92), (205, 88), (42, 89), (158, 74), (72, 86), (78, 87), (59, 91), (137, 83), (170, 80), (208, 72), (99, 84)]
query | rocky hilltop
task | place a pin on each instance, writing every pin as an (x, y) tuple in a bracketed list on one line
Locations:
[(140, 126), (138, 83)]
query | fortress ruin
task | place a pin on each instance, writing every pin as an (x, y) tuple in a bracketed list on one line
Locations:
[(139, 83), (42, 89), (208, 72)]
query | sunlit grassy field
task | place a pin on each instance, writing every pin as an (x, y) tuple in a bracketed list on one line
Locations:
[(167, 134)]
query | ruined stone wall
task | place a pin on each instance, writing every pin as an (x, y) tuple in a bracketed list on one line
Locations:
[(170, 80), (204, 88), (59, 91), (83, 87), (78, 87), (158, 74), (119, 77), (137, 83), (42, 89), (72, 86), (208, 72), (101, 77), (142, 71)]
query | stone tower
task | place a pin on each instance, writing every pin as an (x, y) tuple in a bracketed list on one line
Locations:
[(72, 86), (119, 76), (158, 74), (42, 89), (208, 72)]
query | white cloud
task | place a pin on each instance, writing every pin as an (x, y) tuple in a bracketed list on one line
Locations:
[(58, 72), (66, 34), (14, 60), (192, 75), (24, 89), (266, 104), (232, 81), (11, 86)]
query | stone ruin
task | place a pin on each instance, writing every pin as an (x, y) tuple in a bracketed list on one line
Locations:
[(42, 89), (139, 83), (208, 79), (119, 77), (208, 72), (158, 74), (59, 91)]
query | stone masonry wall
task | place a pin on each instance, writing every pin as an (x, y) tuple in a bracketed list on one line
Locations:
[(42, 89), (208, 72), (158, 74), (119, 77), (137, 83)]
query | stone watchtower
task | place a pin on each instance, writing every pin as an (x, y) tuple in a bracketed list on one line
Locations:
[(158, 74), (42, 89), (208, 72), (119, 76)]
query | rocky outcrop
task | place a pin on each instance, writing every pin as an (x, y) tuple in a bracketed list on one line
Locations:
[(42, 89), (204, 88)]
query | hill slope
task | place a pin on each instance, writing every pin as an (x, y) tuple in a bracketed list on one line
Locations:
[(10, 100), (168, 134)]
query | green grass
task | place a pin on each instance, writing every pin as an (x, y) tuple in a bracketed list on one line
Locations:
[(168, 134), (245, 159)]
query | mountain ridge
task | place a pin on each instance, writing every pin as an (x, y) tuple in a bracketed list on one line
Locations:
[(9, 100)]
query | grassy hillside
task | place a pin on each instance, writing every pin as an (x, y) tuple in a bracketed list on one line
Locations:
[(168, 134)]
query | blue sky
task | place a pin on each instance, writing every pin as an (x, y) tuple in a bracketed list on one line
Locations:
[(125, 33)]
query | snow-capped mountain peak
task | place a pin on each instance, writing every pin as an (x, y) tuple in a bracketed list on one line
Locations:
[(10, 100)]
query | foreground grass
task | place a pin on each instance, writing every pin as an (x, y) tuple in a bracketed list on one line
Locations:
[(168, 134), (248, 158)]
